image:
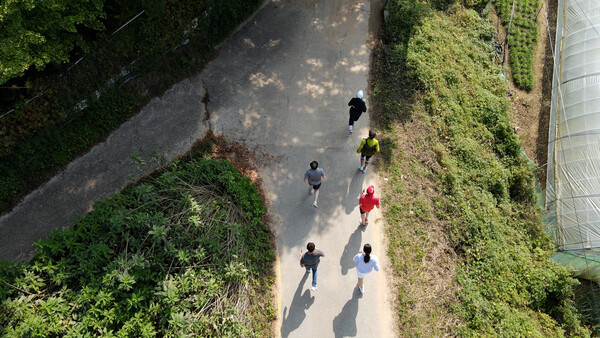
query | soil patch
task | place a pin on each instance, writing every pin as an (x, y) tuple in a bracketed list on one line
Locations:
[(530, 111), (246, 160)]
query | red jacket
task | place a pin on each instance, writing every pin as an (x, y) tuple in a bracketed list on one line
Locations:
[(368, 202)]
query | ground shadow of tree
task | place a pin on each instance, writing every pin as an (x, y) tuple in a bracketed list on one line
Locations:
[(394, 85)]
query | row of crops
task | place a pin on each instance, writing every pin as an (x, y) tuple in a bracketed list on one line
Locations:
[(522, 37)]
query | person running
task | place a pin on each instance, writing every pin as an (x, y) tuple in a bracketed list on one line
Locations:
[(367, 148), (313, 177), (366, 203), (357, 107), (365, 263), (310, 261)]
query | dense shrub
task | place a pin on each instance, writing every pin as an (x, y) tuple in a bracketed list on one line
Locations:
[(183, 253), (40, 32), (508, 284), (143, 51)]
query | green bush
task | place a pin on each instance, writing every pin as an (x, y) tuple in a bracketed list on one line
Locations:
[(404, 16), (37, 33), (174, 255), (509, 286)]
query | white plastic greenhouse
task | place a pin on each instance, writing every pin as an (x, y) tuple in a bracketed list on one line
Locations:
[(573, 180)]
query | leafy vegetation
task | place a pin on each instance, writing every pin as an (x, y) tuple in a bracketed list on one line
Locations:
[(522, 37), (40, 137), (461, 196), (35, 33), (587, 299), (185, 252)]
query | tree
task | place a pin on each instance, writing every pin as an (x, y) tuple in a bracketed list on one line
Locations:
[(37, 32)]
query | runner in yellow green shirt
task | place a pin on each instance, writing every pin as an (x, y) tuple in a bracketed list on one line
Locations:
[(367, 148)]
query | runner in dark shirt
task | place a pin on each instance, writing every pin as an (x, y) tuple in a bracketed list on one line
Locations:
[(310, 260), (357, 107)]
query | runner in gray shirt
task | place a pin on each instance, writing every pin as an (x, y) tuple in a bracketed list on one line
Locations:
[(313, 177), (310, 260)]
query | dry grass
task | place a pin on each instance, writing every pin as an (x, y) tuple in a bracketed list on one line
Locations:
[(419, 250)]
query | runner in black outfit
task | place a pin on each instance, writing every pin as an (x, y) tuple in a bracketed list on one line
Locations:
[(357, 107)]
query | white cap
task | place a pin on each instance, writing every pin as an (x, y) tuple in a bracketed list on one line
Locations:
[(359, 94)]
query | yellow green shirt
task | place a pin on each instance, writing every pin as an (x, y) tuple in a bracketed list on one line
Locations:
[(371, 142)]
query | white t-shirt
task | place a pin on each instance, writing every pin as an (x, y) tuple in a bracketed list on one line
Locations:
[(363, 267)]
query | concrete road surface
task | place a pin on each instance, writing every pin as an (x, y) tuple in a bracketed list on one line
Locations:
[(282, 84)]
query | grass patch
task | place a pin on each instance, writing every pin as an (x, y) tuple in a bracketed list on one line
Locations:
[(467, 244), (183, 252)]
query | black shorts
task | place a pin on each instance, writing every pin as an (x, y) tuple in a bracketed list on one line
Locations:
[(365, 157), (361, 210), (316, 187)]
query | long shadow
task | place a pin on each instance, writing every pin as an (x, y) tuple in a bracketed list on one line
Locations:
[(399, 88), (541, 151), (350, 201), (351, 249), (296, 315), (344, 324), (338, 198)]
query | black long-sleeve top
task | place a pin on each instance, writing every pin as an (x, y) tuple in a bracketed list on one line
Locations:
[(357, 106)]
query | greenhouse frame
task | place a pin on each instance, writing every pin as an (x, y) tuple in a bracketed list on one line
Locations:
[(573, 172)]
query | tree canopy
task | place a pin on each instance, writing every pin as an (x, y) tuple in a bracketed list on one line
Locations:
[(37, 32)]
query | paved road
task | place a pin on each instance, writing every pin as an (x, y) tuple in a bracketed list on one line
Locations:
[(282, 84), (106, 168)]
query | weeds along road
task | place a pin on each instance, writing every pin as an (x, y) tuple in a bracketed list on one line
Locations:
[(282, 84)]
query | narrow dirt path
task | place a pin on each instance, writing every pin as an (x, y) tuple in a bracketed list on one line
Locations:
[(282, 84)]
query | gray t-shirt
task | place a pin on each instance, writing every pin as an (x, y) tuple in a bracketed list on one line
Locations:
[(314, 176), (311, 260)]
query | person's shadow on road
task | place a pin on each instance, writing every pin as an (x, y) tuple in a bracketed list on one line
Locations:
[(296, 315), (351, 249), (344, 324), (353, 193)]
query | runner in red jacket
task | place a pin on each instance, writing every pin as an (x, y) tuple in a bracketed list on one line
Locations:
[(366, 203)]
